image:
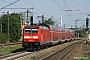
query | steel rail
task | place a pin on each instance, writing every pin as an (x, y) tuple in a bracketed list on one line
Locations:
[(62, 53), (14, 55), (7, 44)]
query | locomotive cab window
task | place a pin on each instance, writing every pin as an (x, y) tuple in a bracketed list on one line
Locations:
[(35, 30)]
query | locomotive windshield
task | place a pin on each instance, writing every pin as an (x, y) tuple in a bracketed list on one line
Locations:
[(34, 30)]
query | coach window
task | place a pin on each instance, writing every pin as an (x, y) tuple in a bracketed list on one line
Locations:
[(45, 27)]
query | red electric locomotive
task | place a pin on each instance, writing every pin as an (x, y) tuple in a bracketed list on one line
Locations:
[(42, 35), (36, 36)]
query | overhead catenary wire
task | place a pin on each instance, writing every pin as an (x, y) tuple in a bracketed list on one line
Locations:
[(62, 8), (16, 6), (28, 2), (77, 8), (19, 8), (9, 4), (35, 7), (72, 16), (30, 5), (58, 4), (70, 10)]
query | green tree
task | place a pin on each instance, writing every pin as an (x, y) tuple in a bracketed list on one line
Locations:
[(49, 21), (14, 26)]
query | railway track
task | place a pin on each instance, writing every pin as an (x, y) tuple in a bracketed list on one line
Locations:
[(14, 56), (17, 55), (62, 53), (8, 44)]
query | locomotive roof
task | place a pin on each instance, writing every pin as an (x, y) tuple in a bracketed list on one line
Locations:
[(43, 24)]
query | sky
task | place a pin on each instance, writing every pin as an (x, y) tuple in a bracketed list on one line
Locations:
[(53, 8)]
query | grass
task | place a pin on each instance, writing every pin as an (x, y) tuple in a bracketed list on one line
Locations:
[(81, 58), (32, 58), (10, 49), (87, 57)]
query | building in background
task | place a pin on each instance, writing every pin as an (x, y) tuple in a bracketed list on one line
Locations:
[(25, 17)]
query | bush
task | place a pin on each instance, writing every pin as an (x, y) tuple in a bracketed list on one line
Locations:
[(3, 38)]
